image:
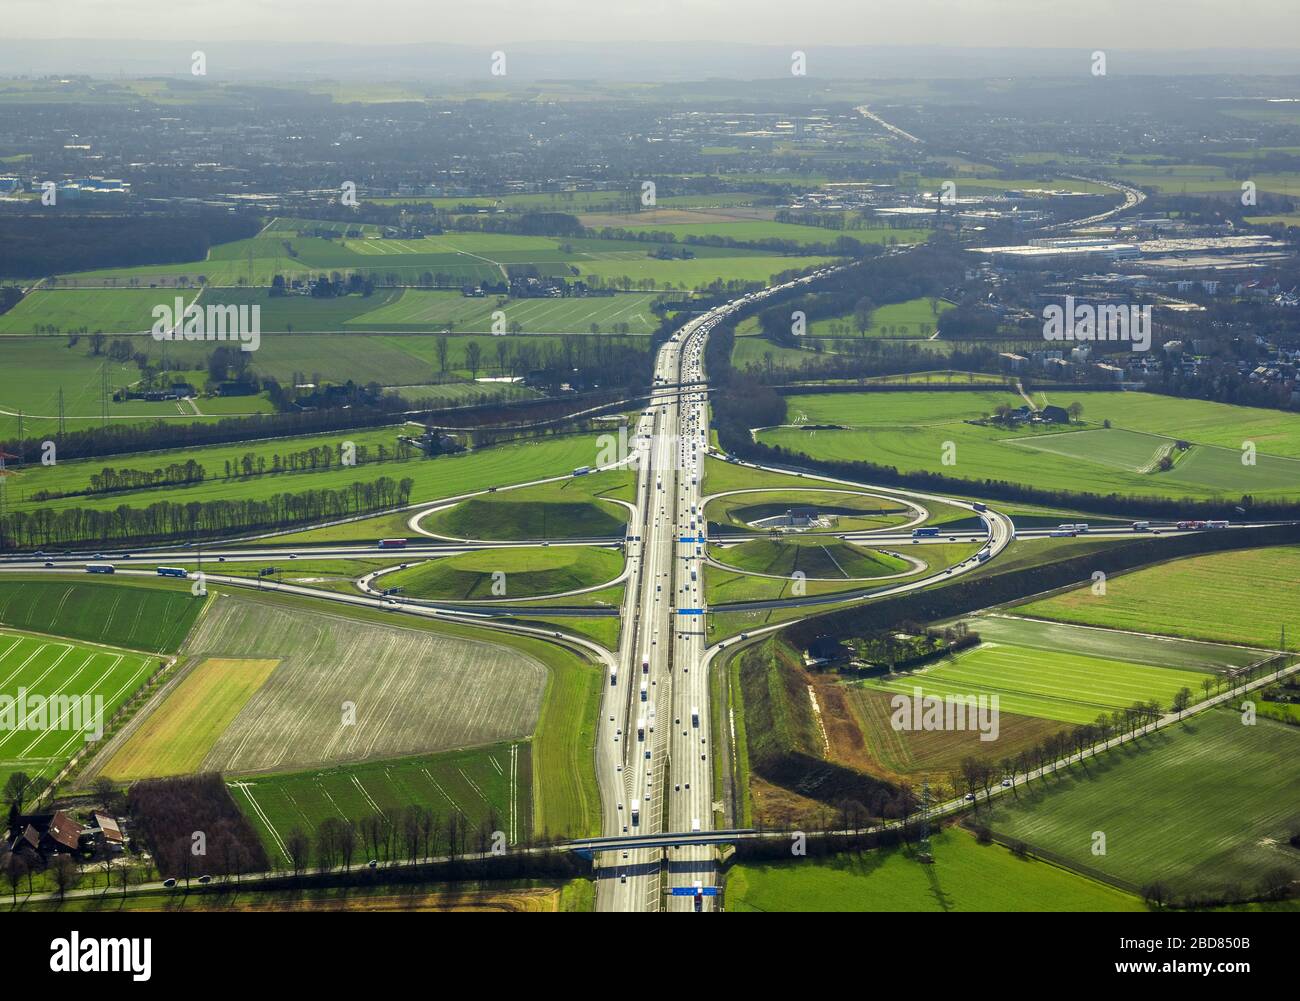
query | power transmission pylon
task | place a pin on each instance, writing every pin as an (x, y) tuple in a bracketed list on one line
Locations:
[(923, 845)]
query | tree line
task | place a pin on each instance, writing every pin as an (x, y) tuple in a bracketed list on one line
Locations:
[(41, 242), (125, 437), (170, 519), (110, 480)]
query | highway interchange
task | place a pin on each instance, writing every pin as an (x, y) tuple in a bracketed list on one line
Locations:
[(654, 743)]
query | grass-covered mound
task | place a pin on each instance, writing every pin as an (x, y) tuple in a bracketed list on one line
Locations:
[(573, 508), (815, 557), (849, 510), (506, 517), (528, 573)]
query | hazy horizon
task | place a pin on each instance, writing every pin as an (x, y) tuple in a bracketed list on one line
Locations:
[(1168, 25)]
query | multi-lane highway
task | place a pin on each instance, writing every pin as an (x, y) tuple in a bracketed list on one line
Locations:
[(654, 746)]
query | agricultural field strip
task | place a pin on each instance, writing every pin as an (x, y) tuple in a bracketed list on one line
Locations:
[(27, 662), (454, 692), (472, 783), (1224, 587), (1060, 686), (1200, 809)]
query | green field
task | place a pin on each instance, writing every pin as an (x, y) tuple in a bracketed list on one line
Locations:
[(47, 668), (965, 876), (439, 310), (387, 309), (146, 616), (755, 231), (484, 786), (723, 586), (915, 318), (443, 476), (1050, 681), (38, 367), (762, 354), (574, 508), (226, 473), (849, 511), (524, 573), (815, 558), (1275, 432), (453, 258), (917, 432), (722, 477), (64, 311), (1234, 597), (1198, 806)]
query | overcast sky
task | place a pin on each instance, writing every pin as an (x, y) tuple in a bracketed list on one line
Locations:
[(1146, 24)]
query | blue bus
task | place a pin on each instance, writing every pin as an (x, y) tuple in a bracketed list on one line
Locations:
[(924, 533), (100, 568), (171, 572)]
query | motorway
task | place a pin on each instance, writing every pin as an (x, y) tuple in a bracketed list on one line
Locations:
[(654, 746), (654, 741)]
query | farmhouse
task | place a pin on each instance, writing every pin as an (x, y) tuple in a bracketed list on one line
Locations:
[(103, 833), (44, 835), (1055, 415)]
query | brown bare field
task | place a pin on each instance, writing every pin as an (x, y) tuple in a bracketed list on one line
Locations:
[(349, 689), (175, 739), (934, 754), (847, 745), (775, 805)]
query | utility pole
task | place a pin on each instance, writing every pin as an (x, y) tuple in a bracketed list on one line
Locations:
[(923, 845), (62, 429)]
